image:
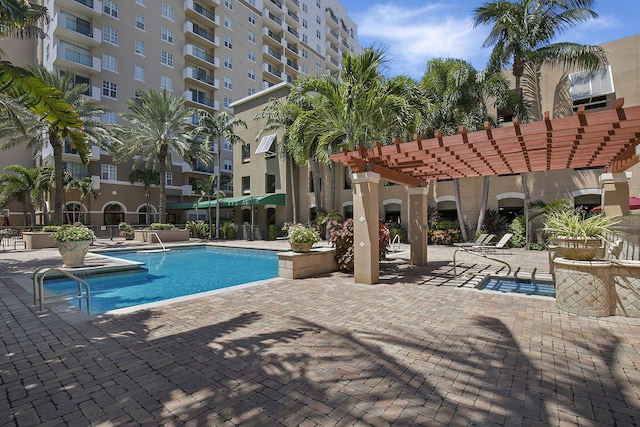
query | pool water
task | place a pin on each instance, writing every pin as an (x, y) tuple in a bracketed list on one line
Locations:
[(173, 274), (519, 286)]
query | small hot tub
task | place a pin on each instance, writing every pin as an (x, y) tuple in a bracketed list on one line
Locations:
[(518, 286)]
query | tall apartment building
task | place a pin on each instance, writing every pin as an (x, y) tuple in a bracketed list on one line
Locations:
[(212, 52)]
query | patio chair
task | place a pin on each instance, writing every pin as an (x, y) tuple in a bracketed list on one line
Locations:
[(482, 239), (501, 245)]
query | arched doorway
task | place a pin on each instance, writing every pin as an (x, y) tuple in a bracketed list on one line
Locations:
[(145, 217), (74, 212), (510, 205), (587, 199), (113, 214)]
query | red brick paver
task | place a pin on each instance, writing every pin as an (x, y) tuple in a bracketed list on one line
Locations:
[(416, 349)]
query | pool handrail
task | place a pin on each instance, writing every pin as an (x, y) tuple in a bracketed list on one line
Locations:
[(38, 288), (480, 255)]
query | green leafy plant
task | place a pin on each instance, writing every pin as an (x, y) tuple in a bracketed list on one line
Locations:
[(274, 231), (160, 226), (303, 234), (50, 228), (341, 237), (72, 233), (198, 228), (574, 225), (518, 229), (126, 230), (228, 229), (396, 230)]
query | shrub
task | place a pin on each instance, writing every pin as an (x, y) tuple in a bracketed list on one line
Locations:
[(50, 228), (341, 237), (228, 229), (444, 237), (159, 226), (198, 228), (72, 233), (518, 229), (302, 234), (535, 246), (494, 223), (396, 230), (274, 231)]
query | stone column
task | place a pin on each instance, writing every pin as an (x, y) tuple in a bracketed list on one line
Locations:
[(418, 218), (365, 227), (615, 193)]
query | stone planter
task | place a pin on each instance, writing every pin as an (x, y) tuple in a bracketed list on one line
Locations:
[(582, 287), (301, 247), (150, 236), (38, 239), (73, 252), (578, 249)]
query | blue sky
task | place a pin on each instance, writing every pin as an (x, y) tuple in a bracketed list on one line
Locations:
[(414, 31)]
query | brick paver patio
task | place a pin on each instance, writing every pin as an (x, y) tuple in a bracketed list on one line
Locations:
[(416, 349)]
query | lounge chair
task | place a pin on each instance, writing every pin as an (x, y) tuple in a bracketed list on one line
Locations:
[(482, 239), (500, 246)]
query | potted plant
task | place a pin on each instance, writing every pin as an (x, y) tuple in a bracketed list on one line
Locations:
[(126, 230), (302, 238), (73, 243), (578, 236)]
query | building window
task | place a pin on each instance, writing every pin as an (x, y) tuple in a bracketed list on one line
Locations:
[(305, 53), (166, 82), (110, 117), (228, 62), (228, 4), (228, 165), (303, 69), (252, 37), (251, 91), (305, 39), (318, 63), (108, 172), (318, 49), (251, 54), (246, 153), (109, 89), (318, 3), (226, 102), (228, 42), (228, 83), (304, 7), (318, 21), (251, 73), (168, 178), (226, 145), (167, 35), (318, 34), (167, 11), (228, 23), (246, 185), (109, 34), (109, 62), (138, 73), (140, 22), (252, 18), (166, 58), (139, 49), (110, 8)]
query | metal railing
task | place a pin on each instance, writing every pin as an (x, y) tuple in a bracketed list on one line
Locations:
[(39, 299)]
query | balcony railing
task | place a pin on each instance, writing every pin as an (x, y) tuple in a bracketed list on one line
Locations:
[(292, 64), (277, 3), (77, 57), (204, 33), (275, 18), (292, 48), (78, 25), (204, 12), (293, 15), (292, 31)]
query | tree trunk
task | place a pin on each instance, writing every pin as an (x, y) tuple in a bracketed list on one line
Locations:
[(456, 193), (162, 203), (293, 190), (217, 197), (315, 176), (56, 144), (332, 201), (483, 203), (527, 201)]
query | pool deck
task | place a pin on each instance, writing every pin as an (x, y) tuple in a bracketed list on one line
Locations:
[(422, 347)]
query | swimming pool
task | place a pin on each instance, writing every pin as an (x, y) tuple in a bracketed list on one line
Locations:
[(519, 286), (173, 274)]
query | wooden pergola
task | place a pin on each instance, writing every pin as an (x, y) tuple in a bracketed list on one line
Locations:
[(607, 139)]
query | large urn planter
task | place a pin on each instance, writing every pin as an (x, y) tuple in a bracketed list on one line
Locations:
[(301, 247), (73, 252), (577, 249)]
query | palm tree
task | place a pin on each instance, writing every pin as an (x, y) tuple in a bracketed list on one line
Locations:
[(19, 185), (159, 127), (42, 132), (346, 111), (86, 190), (281, 115), (20, 19), (522, 35), (210, 189), (44, 184), (147, 177), (459, 97), (213, 130)]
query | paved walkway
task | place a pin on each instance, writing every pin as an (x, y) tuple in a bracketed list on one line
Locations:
[(420, 348)]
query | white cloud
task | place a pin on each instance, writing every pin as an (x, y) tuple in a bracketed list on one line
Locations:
[(412, 36)]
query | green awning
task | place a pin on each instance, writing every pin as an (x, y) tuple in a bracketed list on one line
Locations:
[(265, 199), (181, 206)]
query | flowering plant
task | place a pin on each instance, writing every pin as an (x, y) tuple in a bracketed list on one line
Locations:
[(68, 233), (301, 234)]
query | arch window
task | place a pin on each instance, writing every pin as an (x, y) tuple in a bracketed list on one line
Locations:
[(113, 214)]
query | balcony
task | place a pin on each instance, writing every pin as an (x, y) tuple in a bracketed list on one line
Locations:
[(334, 34), (273, 5), (293, 32), (94, 93), (272, 52), (293, 48), (86, 8), (273, 17), (293, 4), (199, 13), (272, 35), (332, 21), (270, 72), (200, 56), (345, 44), (77, 60), (76, 30), (292, 15), (201, 77), (206, 37), (292, 64), (201, 100)]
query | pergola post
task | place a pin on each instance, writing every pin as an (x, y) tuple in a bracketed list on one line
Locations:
[(615, 193), (365, 227), (418, 227)]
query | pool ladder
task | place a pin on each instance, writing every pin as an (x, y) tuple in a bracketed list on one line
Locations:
[(39, 299)]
